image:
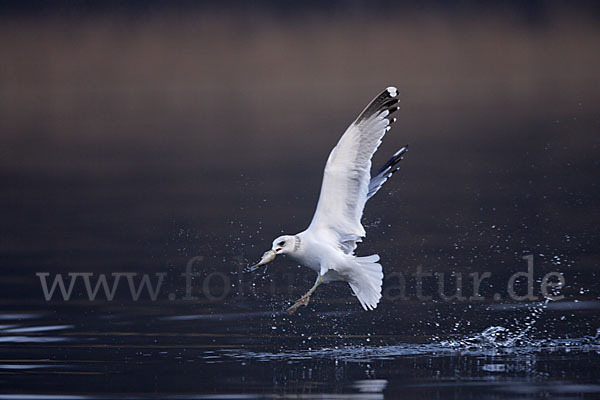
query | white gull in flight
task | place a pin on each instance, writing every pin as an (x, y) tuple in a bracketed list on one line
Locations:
[(328, 245)]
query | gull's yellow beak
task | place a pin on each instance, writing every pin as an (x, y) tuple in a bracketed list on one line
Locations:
[(266, 258)]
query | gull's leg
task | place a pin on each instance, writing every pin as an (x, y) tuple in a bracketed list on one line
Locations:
[(303, 301)]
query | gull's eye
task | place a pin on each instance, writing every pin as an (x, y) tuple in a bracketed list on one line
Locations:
[(281, 244)]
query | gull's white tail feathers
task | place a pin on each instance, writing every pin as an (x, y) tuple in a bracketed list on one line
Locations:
[(368, 278)]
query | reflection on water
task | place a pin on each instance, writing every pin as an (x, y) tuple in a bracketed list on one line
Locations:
[(113, 360)]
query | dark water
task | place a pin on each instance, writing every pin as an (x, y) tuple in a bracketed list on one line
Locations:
[(138, 145), (261, 354)]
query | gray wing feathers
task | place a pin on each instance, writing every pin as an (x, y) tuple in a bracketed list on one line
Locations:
[(385, 172), (347, 172), (347, 182)]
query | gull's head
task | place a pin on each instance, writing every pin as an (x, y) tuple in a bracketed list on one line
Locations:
[(282, 245)]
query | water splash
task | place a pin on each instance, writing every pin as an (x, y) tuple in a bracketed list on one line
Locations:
[(519, 337)]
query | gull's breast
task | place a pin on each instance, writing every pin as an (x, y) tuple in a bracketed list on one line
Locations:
[(313, 253)]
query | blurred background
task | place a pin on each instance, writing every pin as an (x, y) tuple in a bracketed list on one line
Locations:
[(136, 135), (143, 136)]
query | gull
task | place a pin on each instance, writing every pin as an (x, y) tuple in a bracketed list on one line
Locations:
[(327, 245)]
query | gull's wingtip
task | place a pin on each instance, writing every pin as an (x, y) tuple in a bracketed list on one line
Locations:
[(386, 102), (403, 150)]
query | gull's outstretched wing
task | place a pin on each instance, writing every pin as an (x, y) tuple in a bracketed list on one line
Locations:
[(345, 188)]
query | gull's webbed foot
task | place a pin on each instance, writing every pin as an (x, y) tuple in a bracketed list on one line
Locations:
[(302, 301)]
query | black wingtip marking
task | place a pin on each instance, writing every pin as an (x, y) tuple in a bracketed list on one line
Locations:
[(386, 100), (393, 110), (396, 158), (386, 172), (389, 104)]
